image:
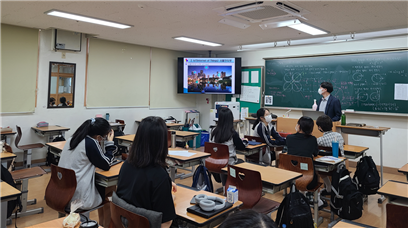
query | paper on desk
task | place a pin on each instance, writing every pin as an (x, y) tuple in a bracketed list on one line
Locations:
[(181, 153), (329, 159)]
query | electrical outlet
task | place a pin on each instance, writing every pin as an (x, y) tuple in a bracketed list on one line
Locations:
[(63, 55)]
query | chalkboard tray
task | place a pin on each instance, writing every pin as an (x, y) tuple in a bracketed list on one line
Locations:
[(195, 209)]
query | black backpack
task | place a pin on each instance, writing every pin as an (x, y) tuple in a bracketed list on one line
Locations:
[(346, 200), (12, 204), (51, 158), (366, 176), (294, 211), (202, 179)]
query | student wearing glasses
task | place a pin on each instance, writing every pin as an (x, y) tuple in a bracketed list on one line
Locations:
[(83, 153)]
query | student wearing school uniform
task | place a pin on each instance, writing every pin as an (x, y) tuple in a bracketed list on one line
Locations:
[(224, 133), (83, 154), (325, 125), (303, 144), (329, 104), (143, 179), (264, 129)]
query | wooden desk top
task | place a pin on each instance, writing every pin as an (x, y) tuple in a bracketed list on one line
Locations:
[(57, 144), (394, 188), (8, 191), (183, 196), (174, 124), (7, 155), (126, 137), (112, 172), (364, 127), (114, 124), (181, 158), (8, 133), (185, 133), (404, 169), (51, 128), (342, 224), (275, 176), (250, 147), (353, 148)]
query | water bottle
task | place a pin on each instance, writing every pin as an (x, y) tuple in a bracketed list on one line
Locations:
[(107, 116), (343, 118), (314, 106), (173, 139), (335, 148)]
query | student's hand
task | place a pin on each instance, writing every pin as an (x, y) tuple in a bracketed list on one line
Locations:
[(110, 136), (174, 187)]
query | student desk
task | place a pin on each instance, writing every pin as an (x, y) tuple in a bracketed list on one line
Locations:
[(404, 170), (184, 162), (4, 136), (6, 157), (350, 224), (8, 192), (370, 131), (252, 149), (50, 131), (171, 126), (108, 178), (397, 192), (56, 147), (251, 121), (322, 166), (353, 152), (183, 196), (274, 179), (127, 140), (117, 126)]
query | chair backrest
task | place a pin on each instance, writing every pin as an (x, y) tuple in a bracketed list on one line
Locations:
[(18, 137), (134, 220), (120, 122), (219, 156), (61, 188), (248, 183), (298, 164), (396, 216)]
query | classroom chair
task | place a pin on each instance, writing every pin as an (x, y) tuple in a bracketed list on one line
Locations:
[(122, 218), (60, 190), (255, 157), (218, 159), (295, 163), (396, 216), (21, 177), (249, 185), (27, 149)]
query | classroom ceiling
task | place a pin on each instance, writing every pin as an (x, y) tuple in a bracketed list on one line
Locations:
[(157, 22)]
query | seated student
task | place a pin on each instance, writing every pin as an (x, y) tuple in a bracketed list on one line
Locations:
[(264, 129), (143, 179), (248, 219), (325, 124), (303, 144), (83, 154), (63, 102), (224, 133), (52, 101)]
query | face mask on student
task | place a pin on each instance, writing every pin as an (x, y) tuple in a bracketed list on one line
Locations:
[(268, 118), (320, 91)]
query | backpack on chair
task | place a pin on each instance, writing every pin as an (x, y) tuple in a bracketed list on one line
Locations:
[(366, 176), (346, 200), (202, 179), (294, 211)]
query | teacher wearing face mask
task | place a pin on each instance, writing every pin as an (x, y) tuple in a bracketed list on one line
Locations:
[(329, 104)]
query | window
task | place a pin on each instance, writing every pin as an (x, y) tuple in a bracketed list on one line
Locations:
[(61, 85)]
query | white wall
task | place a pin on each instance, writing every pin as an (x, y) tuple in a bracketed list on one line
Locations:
[(395, 141), (70, 117)]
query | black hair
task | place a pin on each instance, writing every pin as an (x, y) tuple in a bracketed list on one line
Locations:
[(63, 101), (306, 125), (248, 219), (260, 113), (327, 85), (324, 122), (224, 129), (99, 127), (150, 143), (52, 100)]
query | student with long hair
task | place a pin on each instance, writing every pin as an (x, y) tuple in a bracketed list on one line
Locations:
[(248, 219), (83, 153), (264, 129), (224, 133), (303, 144), (143, 179)]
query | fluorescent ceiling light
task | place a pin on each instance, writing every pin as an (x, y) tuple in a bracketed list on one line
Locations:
[(243, 10), (82, 18), (234, 23), (277, 24), (307, 29), (186, 39)]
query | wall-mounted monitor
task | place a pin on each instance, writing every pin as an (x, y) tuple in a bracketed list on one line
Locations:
[(208, 75)]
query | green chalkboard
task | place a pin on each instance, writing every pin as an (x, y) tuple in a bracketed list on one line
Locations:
[(370, 82)]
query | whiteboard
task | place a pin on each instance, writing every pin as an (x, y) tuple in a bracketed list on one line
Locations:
[(250, 94)]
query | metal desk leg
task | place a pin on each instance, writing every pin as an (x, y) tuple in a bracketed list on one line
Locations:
[(25, 202), (28, 162), (260, 156), (194, 143), (172, 173), (380, 200), (318, 221), (3, 214)]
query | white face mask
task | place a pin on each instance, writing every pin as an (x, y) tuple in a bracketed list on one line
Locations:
[(268, 118), (320, 91)]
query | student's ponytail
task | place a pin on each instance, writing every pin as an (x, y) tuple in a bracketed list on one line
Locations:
[(91, 127), (260, 113)]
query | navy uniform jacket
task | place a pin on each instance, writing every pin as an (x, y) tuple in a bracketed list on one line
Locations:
[(332, 109)]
